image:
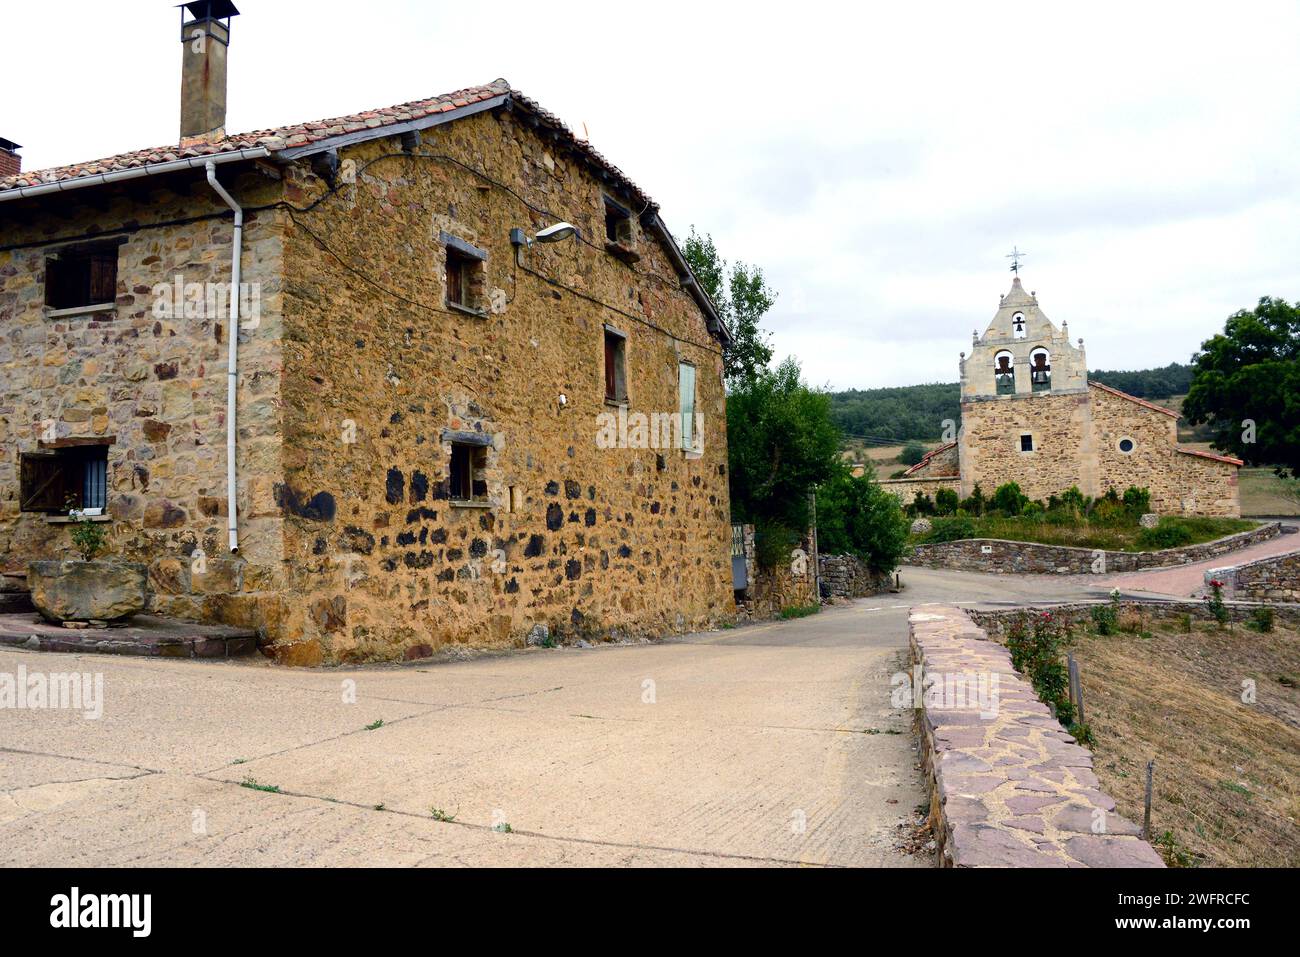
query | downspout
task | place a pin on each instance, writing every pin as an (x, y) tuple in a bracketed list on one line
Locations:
[(232, 364)]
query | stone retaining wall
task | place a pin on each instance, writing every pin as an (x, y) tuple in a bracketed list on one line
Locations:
[(1276, 578), (1009, 787), (998, 623), (1030, 558), (847, 576)]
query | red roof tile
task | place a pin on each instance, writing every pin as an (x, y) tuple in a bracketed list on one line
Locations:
[(314, 131), (1132, 398), (1226, 459), (929, 455)]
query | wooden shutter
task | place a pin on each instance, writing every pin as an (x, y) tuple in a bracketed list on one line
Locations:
[(42, 486), (103, 277), (455, 280), (611, 360)]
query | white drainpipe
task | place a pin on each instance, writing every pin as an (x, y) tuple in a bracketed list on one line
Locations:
[(232, 365)]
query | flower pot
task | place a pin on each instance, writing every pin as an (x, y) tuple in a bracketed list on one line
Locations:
[(87, 591)]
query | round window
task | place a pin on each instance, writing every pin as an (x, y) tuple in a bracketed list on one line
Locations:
[(1126, 446)]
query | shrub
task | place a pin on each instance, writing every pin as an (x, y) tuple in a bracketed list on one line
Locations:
[(1009, 500), (1036, 653), (1105, 618), (946, 502), (88, 538), (773, 544), (1170, 533), (1215, 600), (954, 529), (921, 506), (1261, 620), (857, 516), (1137, 501), (977, 503)]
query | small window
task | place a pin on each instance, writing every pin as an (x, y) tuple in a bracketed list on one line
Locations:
[(60, 480), (81, 276), (466, 481), (466, 275), (615, 366), (618, 223), (1026, 443), (686, 395), (1127, 446)]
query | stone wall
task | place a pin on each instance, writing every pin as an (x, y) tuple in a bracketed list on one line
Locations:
[(589, 541), (998, 623), (1061, 427), (1009, 787), (847, 576), (785, 585), (906, 490), (1030, 558), (149, 376), (1276, 578)]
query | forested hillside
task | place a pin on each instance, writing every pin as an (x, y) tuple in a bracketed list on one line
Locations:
[(918, 411)]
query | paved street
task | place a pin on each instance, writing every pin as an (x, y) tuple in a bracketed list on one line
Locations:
[(771, 744)]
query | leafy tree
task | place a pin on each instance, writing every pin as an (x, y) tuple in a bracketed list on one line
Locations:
[(912, 453), (781, 445), (742, 299), (1250, 374), (855, 516), (1009, 500), (946, 501)]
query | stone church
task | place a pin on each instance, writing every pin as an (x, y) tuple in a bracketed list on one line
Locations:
[(1029, 415)]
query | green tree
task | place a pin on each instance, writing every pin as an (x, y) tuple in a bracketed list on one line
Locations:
[(912, 453), (1246, 386), (781, 445), (855, 516), (742, 298)]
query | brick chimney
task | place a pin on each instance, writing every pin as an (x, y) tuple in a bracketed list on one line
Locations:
[(205, 38), (11, 164)]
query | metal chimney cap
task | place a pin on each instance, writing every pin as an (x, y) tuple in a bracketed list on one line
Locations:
[(211, 9), (9, 145)]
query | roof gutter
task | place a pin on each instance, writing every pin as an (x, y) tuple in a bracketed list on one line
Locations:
[(137, 172)]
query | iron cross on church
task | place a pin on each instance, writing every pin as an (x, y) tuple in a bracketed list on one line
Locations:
[(1015, 256)]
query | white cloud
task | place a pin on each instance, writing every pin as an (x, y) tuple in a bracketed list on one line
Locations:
[(877, 160)]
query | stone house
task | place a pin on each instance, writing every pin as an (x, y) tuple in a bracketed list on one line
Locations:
[(1029, 415), (444, 376)]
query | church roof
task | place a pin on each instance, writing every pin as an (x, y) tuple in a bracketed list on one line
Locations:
[(1132, 398)]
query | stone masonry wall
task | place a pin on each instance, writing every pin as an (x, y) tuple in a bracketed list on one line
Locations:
[(589, 541), (990, 444), (1180, 484), (1031, 558), (1009, 787), (1276, 578), (906, 490), (847, 576), (155, 383)]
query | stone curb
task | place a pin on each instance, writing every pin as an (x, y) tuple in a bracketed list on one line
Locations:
[(1009, 787), (145, 637)]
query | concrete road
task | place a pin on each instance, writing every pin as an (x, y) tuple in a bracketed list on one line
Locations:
[(772, 744)]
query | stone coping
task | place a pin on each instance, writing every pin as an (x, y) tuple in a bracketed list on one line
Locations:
[(145, 636), (1036, 558), (1009, 787)]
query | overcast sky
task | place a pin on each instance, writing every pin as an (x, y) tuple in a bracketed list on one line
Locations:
[(877, 160)]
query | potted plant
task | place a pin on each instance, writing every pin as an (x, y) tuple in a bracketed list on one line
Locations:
[(87, 589)]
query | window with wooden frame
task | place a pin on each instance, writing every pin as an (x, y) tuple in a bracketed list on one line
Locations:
[(465, 479), (615, 365), (78, 277), (618, 223), (55, 481), (686, 402), (466, 275)]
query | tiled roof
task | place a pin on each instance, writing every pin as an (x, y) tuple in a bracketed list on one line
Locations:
[(1226, 459), (305, 134), (928, 456), (1132, 398)]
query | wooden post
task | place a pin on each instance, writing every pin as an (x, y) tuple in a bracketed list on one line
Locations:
[(1146, 816), (1076, 690), (1069, 661)]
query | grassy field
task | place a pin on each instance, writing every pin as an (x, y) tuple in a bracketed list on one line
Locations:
[(1227, 776), (1079, 533)]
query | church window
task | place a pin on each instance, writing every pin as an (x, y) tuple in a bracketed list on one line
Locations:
[(1040, 370), (1027, 442), (1127, 446), (1018, 327), (1004, 373)]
